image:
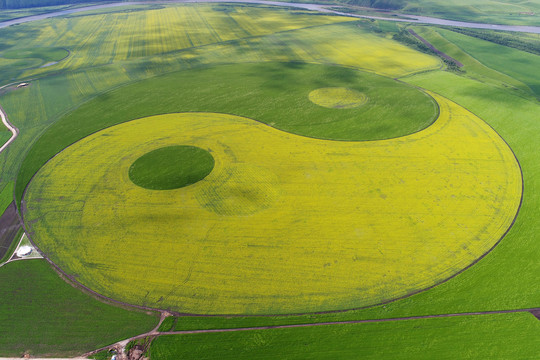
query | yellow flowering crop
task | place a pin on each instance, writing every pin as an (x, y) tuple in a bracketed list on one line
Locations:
[(284, 223)]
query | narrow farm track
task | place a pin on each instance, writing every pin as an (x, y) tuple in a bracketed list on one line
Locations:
[(155, 333), (13, 129), (430, 45)]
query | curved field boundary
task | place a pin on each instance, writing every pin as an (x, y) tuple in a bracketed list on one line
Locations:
[(73, 281), (331, 311)]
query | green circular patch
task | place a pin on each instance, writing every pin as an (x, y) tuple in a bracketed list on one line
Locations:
[(171, 167), (337, 98)]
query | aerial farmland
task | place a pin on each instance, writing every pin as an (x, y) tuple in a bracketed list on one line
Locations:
[(207, 180)]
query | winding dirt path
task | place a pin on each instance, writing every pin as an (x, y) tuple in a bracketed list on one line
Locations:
[(13, 129)]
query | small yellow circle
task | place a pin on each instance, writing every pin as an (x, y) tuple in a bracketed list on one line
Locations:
[(338, 98)]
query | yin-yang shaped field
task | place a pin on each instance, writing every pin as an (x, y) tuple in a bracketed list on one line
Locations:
[(206, 212)]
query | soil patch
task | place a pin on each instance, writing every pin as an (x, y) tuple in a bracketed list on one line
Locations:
[(9, 225)]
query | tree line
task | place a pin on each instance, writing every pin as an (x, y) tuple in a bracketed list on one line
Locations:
[(514, 40)]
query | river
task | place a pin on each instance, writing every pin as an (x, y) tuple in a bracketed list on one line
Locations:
[(313, 7)]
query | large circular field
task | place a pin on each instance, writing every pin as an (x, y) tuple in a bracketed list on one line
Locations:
[(281, 223)]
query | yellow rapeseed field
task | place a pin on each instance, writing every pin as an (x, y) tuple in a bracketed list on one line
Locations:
[(118, 36), (283, 223), (337, 98), (180, 36)]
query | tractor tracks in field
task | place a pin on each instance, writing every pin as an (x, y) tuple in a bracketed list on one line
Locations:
[(534, 311)]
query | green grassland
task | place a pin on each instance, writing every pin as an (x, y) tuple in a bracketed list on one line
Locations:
[(44, 54), (528, 42), (520, 65), (5, 135), (482, 11), (168, 324), (28, 58), (501, 336), (43, 315), (473, 67), (6, 196)]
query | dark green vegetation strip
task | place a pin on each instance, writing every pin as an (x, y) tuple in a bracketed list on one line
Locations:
[(274, 93), (167, 324), (45, 54), (102, 355), (11, 249), (500, 336), (6, 196), (171, 167), (5, 135), (42, 314)]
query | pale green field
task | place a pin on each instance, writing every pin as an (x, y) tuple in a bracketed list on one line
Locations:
[(500, 336), (482, 11)]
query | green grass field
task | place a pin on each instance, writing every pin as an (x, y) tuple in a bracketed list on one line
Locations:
[(168, 324), (43, 315), (6, 196), (148, 48), (45, 54), (473, 67), (524, 65), (482, 11), (504, 336), (171, 167)]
